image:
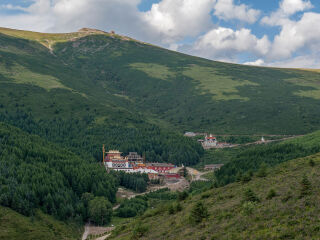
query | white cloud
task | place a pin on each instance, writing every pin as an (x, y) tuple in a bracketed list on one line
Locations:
[(290, 7), (286, 9), (295, 36), (258, 62), (174, 20), (304, 61), (226, 10), (225, 43)]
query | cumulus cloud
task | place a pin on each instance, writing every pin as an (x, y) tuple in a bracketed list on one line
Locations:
[(226, 10), (297, 35), (286, 9), (226, 43), (179, 18)]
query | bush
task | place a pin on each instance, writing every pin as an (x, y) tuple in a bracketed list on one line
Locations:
[(183, 195), (312, 163), (305, 186), (248, 208), (139, 231), (250, 196), (199, 212), (272, 193)]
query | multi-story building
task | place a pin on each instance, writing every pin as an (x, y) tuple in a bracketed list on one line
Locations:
[(134, 163), (209, 142)]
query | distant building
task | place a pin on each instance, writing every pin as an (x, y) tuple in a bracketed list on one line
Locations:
[(160, 167), (213, 167), (135, 158), (114, 160), (209, 142), (134, 163), (190, 134)]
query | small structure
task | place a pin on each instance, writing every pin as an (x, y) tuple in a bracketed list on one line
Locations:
[(135, 158), (115, 161), (209, 142), (213, 167), (262, 139), (160, 167), (189, 134)]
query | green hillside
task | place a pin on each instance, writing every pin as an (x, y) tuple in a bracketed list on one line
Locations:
[(36, 174), (65, 95), (282, 205), (245, 161), (107, 75), (14, 226)]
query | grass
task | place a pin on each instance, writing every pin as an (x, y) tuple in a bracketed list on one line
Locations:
[(41, 227), (220, 86), (284, 214), (154, 70), (21, 75)]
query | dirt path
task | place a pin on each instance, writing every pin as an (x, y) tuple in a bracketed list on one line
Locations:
[(94, 230), (196, 175)]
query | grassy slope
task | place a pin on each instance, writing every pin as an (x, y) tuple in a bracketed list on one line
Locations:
[(286, 216), (172, 89), (41, 227)]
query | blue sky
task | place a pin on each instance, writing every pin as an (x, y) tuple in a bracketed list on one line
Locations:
[(281, 33)]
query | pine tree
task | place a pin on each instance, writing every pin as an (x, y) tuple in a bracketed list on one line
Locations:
[(199, 212), (305, 186)]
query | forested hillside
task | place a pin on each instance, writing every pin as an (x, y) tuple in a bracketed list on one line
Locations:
[(35, 174), (258, 158), (100, 77)]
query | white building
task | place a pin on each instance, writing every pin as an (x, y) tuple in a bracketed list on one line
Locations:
[(209, 142)]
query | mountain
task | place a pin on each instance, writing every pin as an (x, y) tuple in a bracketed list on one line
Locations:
[(281, 205), (65, 95), (102, 75)]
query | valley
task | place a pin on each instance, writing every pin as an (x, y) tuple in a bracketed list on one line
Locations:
[(63, 96)]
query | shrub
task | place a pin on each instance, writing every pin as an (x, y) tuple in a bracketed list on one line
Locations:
[(250, 196), (183, 195), (199, 212), (248, 208), (312, 163), (262, 172), (305, 186), (272, 193), (139, 231)]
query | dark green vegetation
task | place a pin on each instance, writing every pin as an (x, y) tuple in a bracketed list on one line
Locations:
[(14, 226), (246, 161), (37, 174), (138, 205), (134, 181), (282, 205)]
